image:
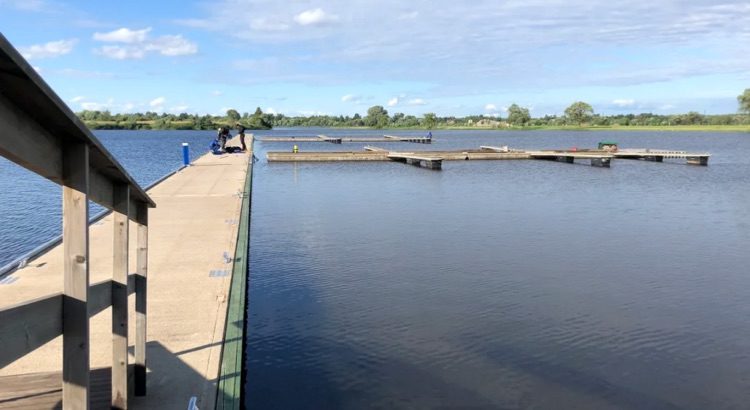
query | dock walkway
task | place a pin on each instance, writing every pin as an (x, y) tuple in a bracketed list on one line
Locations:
[(192, 239)]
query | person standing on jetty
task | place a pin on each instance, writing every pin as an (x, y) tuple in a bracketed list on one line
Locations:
[(241, 133), (222, 135)]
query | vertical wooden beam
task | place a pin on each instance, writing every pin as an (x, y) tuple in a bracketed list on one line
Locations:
[(140, 301), (120, 367), (76, 283)]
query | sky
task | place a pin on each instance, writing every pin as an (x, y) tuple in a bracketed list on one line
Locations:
[(339, 57)]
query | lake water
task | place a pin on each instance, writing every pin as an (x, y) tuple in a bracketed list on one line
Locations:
[(489, 284), (31, 206), (502, 284)]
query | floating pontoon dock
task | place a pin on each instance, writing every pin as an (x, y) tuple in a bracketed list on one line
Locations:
[(433, 159), (339, 140)]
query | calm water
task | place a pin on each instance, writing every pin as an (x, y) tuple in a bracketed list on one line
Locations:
[(502, 284), (490, 284), (31, 206)]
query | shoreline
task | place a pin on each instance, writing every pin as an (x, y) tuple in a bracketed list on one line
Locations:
[(659, 128)]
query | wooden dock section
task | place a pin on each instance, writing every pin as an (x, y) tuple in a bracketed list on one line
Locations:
[(597, 158), (658, 155), (417, 140), (418, 160), (380, 154), (339, 140), (197, 263), (329, 139), (602, 159)]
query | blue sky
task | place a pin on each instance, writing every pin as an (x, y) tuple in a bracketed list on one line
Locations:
[(341, 57)]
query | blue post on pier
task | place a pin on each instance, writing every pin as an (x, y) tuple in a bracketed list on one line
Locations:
[(185, 154)]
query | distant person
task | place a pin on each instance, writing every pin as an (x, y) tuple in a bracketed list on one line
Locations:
[(241, 133), (222, 135), (215, 147)]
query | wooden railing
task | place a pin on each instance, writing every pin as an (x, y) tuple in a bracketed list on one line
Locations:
[(40, 133)]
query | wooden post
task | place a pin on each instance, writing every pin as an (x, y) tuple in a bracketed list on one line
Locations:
[(76, 283), (120, 367), (140, 301)]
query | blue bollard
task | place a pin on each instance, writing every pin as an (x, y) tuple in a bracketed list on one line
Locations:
[(185, 154)]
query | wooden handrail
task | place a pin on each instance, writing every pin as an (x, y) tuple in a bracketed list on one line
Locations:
[(40, 133)]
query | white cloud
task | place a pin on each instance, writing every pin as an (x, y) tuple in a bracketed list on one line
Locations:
[(350, 98), (261, 24), (157, 101), (417, 101), (137, 44), (109, 105), (172, 46), (121, 53), (314, 17), (532, 31), (216, 93), (490, 107), (48, 50), (75, 73), (92, 106), (393, 102), (123, 35), (26, 5), (270, 110), (623, 102)]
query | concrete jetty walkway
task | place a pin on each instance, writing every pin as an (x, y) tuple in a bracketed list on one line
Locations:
[(192, 238)]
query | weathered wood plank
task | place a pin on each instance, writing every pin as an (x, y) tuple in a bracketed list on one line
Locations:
[(76, 277), (28, 326), (100, 297), (25, 142), (43, 390), (140, 303), (120, 367)]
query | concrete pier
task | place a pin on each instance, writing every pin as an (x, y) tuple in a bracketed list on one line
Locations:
[(193, 236)]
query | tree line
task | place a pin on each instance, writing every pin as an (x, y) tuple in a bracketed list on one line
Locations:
[(578, 114), (164, 121)]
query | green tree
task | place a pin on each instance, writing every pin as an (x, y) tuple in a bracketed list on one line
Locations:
[(430, 119), (744, 101), (259, 121), (397, 117), (233, 115), (377, 117), (518, 115), (579, 112)]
